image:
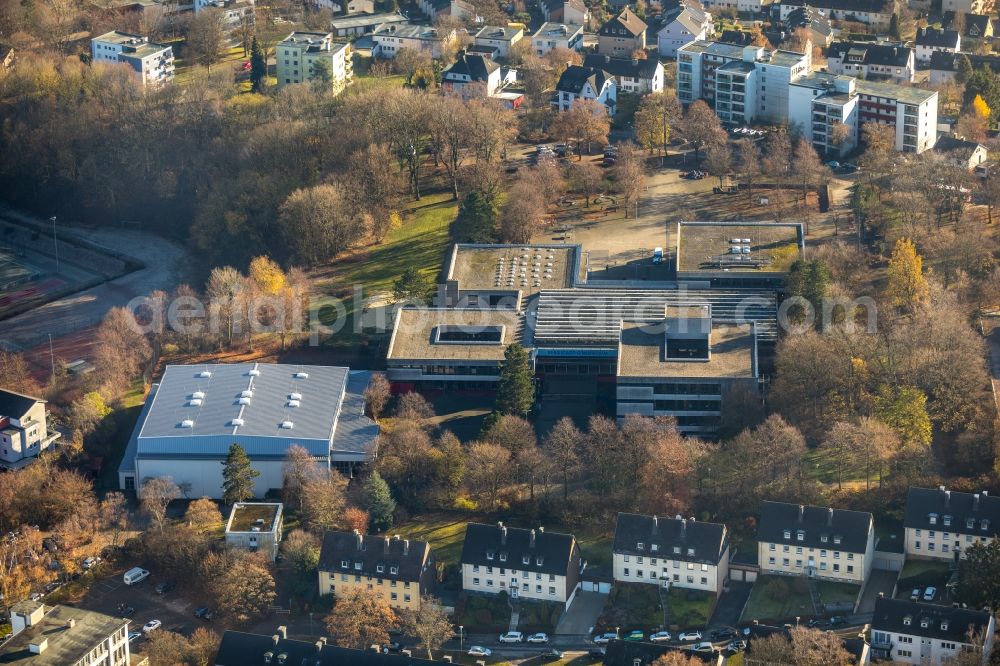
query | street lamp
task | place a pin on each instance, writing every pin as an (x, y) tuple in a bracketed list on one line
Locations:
[(55, 242)]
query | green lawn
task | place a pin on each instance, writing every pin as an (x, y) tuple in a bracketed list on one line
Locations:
[(921, 573), (421, 242), (632, 606), (777, 598), (596, 549), (831, 592), (689, 608), (822, 465), (445, 533)]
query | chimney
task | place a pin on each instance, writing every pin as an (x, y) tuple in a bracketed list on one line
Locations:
[(38, 646), (802, 512), (829, 517), (503, 534), (684, 527), (941, 488), (881, 595), (358, 539), (319, 646), (947, 498), (656, 525), (541, 530), (531, 543), (985, 493), (607, 59), (274, 639), (70, 623), (406, 546), (975, 502), (386, 541), (283, 632), (635, 62)]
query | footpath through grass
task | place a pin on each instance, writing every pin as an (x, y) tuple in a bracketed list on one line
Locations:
[(421, 243)]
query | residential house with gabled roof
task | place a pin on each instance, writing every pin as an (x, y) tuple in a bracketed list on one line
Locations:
[(944, 65), (399, 570), (966, 154), (933, 40), (690, 24), (565, 11), (893, 62), (632, 75), (622, 35), (240, 648), (24, 430), (813, 541), (875, 14), (499, 38), (940, 523), (582, 83), (814, 21), (976, 26), (390, 39), (530, 564), (471, 76), (910, 632), (671, 552), (434, 9)]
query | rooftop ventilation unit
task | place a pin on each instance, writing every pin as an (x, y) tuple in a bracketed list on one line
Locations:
[(254, 373), (294, 396), (236, 422), (243, 401), (287, 425), (187, 423), (198, 395), (194, 402), (293, 403), (204, 374), (302, 375), (246, 394)]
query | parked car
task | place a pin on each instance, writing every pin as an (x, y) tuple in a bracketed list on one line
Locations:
[(609, 160), (163, 587), (135, 575), (479, 651), (91, 562), (125, 610), (833, 164), (560, 149), (818, 623), (538, 638), (204, 612), (512, 637), (689, 636), (637, 635), (723, 634), (736, 646), (704, 646), (660, 637), (930, 593), (36, 596), (836, 619), (152, 625), (596, 653), (391, 647), (604, 639), (52, 587), (133, 635), (551, 654)]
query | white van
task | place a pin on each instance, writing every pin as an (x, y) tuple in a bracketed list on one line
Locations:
[(658, 255), (135, 575)]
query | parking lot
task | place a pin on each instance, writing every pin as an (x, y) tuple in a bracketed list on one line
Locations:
[(176, 612)]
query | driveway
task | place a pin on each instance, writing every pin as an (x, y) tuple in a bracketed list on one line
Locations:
[(730, 607), (878, 581), (582, 614)]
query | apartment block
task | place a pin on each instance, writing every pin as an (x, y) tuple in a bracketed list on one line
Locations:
[(818, 542), (389, 39), (526, 563), (64, 636), (152, 63), (399, 570), (940, 523), (301, 55), (671, 552), (910, 632), (817, 104)]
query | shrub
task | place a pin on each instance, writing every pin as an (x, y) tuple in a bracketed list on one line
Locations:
[(483, 616), (464, 504)]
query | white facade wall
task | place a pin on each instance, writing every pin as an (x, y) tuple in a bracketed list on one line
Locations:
[(746, 6), (609, 93), (668, 572), (675, 35), (830, 563), (924, 51), (942, 545), (915, 649), (519, 584), (203, 478)]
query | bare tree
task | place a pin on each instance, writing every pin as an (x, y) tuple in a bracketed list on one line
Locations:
[(719, 160), (701, 128), (206, 37), (156, 494), (323, 502), (377, 395), (561, 446), (587, 178), (629, 176), (122, 350), (430, 625), (299, 468), (360, 619), (487, 469)]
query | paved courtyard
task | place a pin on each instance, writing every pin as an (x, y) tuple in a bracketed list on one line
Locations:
[(581, 616)]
